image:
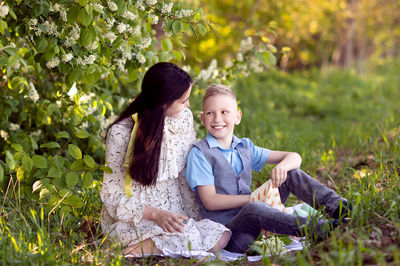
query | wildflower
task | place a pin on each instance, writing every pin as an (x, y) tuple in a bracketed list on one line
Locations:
[(4, 134), (110, 23), (129, 15), (56, 8), (13, 127), (32, 92), (140, 58), (51, 28), (67, 57), (139, 5), (184, 13), (88, 60), (153, 19), (73, 36), (63, 15), (112, 6), (92, 46), (4, 11), (151, 2), (54, 62), (110, 35), (166, 8), (246, 45), (145, 43), (239, 57), (121, 28)]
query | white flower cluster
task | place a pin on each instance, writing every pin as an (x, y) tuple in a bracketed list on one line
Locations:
[(151, 2), (255, 65), (139, 5), (36, 133), (67, 57), (61, 9), (153, 18), (126, 55), (129, 15), (73, 36), (4, 134), (13, 127), (121, 28), (146, 42), (51, 27), (184, 13), (88, 60), (272, 245), (4, 11), (54, 62), (140, 58), (93, 45), (135, 31), (205, 74), (32, 26), (167, 8), (110, 35), (246, 45), (110, 23), (97, 5), (112, 6), (32, 92)]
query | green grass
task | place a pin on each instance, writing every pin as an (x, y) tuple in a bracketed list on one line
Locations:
[(345, 126)]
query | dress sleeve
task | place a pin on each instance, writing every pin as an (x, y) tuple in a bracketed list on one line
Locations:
[(116, 203)]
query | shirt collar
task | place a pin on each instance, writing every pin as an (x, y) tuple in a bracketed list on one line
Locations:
[(213, 143)]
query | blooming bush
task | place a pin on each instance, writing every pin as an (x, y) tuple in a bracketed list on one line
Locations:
[(66, 68)]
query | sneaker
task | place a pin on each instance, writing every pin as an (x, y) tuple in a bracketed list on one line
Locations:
[(343, 211)]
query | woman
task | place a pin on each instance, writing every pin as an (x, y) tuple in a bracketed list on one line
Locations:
[(148, 205)]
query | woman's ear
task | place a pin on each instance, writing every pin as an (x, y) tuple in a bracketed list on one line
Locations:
[(238, 117)]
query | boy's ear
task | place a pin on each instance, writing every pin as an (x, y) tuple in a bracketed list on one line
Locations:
[(238, 117), (202, 117)]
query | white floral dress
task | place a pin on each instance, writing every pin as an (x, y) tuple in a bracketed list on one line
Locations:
[(122, 215)]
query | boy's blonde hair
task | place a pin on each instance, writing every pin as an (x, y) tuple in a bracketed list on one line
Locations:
[(218, 89)]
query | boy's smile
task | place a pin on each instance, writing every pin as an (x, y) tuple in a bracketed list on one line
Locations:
[(220, 115)]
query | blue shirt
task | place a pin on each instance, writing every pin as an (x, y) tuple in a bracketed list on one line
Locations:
[(199, 171)]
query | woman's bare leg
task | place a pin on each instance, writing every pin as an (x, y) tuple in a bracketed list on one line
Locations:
[(145, 247), (223, 241)]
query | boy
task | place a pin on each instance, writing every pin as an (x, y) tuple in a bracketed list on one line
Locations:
[(219, 171)]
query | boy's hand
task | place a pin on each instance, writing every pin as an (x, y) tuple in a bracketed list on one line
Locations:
[(278, 176), (169, 221)]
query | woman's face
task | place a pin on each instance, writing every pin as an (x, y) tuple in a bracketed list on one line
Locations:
[(178, 105)]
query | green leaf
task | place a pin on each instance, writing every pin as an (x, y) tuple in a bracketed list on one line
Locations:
[(177, 26), (39, 161), (88, 36), (74, 151), (74, 75), (167, 44), (1, 175), (106, 169), (78, 165), (27, 163), (58, 161), (65, 210), (54, 172), (17, 147), (81, 133), (132, 74), (50, 145), (74, 201), (20, 173), (73, 14), (10, 160), (82, 2), (72, 179), (201, 29), (41, 45), (87, 179), (89, 161), (85, 16), (62, 134)]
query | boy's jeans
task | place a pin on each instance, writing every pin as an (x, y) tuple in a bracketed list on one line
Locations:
[(256, 215)]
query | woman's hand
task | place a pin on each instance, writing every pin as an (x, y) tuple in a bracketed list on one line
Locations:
[(169, 221), (278, 176)]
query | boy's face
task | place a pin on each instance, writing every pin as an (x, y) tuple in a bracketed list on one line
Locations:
[(220, 115)]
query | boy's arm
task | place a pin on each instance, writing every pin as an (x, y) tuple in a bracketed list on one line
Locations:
[(285, 161), (214, 202)]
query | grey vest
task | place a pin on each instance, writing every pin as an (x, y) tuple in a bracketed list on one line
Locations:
[(225, 179)]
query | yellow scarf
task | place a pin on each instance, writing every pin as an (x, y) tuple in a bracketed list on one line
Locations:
[(127, 161)]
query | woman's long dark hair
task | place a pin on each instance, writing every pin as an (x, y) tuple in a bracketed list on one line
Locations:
[(162, 84)]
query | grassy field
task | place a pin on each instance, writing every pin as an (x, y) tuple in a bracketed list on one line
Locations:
[(345, 126)]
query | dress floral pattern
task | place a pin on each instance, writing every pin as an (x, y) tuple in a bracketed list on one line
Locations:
[(122, 215)]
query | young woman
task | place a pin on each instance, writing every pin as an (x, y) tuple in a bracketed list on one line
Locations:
[(147, 204)]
